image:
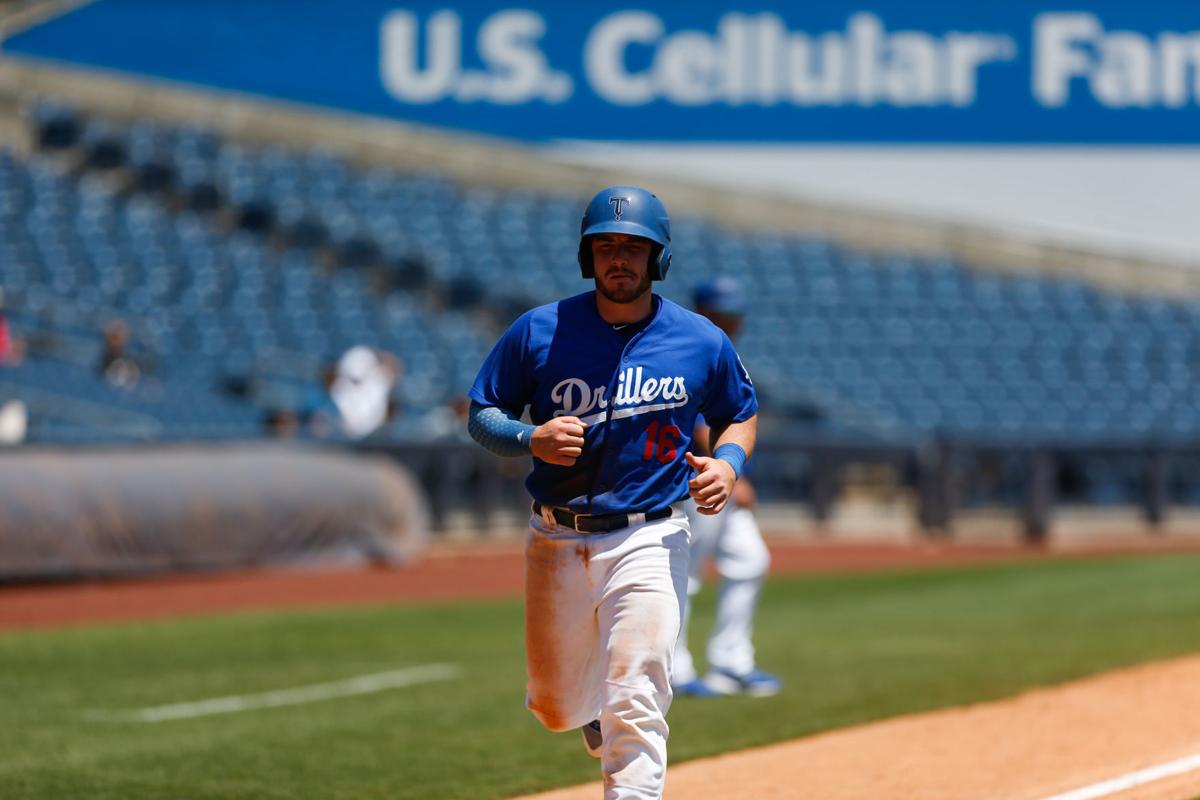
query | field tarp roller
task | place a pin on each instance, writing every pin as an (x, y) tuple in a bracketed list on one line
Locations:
[(111, 512)]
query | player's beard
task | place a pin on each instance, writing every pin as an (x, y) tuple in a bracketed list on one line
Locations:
[(626, 293)]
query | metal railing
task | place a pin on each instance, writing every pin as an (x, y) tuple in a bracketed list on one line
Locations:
[(460, 476)]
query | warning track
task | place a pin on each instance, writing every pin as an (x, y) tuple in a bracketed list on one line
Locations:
[(454, 572)]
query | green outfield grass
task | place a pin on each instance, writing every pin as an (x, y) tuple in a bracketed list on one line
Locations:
[(850, 648)]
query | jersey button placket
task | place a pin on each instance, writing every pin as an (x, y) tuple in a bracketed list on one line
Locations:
[(600, 485)]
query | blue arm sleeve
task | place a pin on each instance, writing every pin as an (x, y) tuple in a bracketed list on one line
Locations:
[(498, 431)]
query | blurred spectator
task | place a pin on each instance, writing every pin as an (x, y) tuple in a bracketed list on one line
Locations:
[(5, 341), (116, 365), (362, 388), (11, 348), (281, 423), (14, 419)]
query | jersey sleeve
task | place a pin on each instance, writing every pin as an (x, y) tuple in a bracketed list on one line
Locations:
[(506, 378), (731, 397)]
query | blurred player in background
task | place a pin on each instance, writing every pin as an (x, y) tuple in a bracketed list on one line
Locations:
[(733, 541)]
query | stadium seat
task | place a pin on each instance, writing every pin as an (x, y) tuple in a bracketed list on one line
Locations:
[(325, 255)]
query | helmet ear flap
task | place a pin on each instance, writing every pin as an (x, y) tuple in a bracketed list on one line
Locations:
[(587, 264), (660, 262)]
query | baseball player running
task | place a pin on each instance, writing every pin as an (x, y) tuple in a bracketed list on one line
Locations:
[(732, 541), (614, 380)]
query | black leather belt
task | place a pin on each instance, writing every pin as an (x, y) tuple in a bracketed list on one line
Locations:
[(600, 523)]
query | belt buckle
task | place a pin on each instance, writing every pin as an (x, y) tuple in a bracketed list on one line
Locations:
[(550, 518), (551, 521)]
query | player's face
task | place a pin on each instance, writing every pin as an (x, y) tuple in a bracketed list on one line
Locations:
[(622, 266)]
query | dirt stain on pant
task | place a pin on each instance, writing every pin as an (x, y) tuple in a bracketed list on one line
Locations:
[(542, 588), (551, 564), (584, 553)]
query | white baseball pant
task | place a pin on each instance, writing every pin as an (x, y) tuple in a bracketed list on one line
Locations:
[(602, 614), (734, 543)]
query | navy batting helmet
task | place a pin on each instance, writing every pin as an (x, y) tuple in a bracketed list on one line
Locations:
[(722, 294), (629, 210)]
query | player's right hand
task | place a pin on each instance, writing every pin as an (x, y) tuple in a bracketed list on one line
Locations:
[(559, 441)]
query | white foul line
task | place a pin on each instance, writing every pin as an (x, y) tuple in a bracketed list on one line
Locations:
[(363, 684), (1132, 779)]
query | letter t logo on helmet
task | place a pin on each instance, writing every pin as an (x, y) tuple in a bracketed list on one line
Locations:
[(617, 203), (630, 210)]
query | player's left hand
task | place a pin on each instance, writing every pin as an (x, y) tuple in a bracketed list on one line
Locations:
[(713, 482)]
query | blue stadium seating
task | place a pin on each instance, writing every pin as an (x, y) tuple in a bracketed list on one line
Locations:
[(265, 263)]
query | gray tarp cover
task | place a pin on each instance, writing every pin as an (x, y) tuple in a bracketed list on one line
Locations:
[(138, 511)]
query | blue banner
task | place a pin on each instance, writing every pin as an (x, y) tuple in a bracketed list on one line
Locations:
[(1106, 72)]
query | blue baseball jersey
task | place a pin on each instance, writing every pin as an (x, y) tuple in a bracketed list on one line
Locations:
[(639, 396)]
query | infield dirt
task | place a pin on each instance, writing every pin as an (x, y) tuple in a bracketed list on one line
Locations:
[(1031, 747)]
